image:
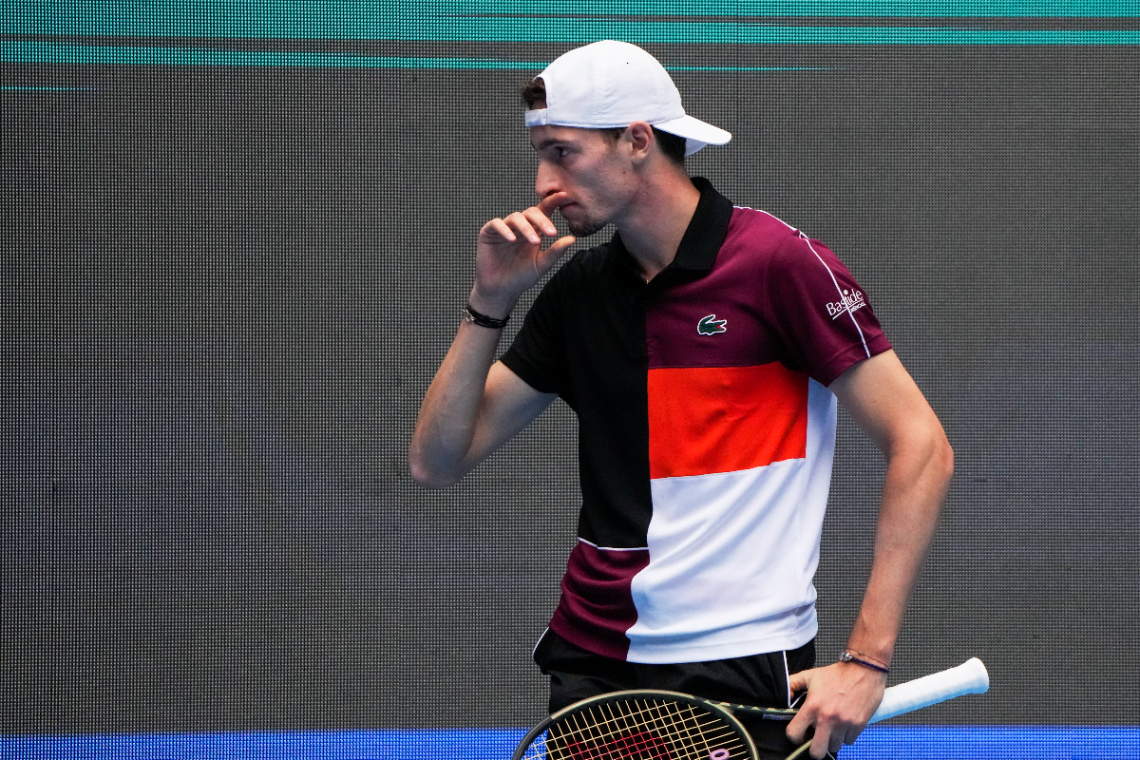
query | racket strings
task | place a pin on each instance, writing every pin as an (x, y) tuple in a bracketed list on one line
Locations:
[(641, 730)]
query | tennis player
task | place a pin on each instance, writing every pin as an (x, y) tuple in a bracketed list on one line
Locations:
[(703, 348)]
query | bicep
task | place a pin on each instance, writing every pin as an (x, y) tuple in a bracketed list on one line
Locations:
[(509, 404), (885, 403)]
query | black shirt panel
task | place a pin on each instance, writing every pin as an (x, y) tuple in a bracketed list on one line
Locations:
[(538, 354), (584, 339)]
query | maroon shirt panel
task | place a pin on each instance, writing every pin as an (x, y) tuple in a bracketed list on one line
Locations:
[(596, 608), (818, 310), (729, 298), (767, 298)]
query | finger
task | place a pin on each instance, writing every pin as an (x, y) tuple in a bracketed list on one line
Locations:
[(551, 202), (798, 727), (799, 681), (520, 224), (540, 221), (500, 228), (820, 743)]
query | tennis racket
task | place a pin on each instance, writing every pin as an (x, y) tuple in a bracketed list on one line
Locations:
[(666, 725)]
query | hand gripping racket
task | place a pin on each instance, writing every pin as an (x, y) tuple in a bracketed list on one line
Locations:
[(665, 725)]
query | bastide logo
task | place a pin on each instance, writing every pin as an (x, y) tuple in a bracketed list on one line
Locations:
[(852, 301), (710, 325)]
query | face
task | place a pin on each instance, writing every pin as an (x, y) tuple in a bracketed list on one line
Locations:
[(592, 169)]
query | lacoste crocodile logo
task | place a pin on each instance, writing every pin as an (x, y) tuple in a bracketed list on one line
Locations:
[(710, 325)]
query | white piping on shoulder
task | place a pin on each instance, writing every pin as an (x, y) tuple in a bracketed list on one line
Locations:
[(838, 290), (769, 214), (834, 282)]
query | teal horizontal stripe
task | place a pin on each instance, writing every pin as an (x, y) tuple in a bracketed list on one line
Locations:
[(51, 52), (47, 52), (376, 19), (576, 32), (807, 8), (481, 20)]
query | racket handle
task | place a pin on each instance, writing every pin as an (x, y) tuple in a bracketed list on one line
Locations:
[(968, 678)]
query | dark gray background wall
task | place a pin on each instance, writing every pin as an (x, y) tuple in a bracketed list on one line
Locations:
[(224, 290)]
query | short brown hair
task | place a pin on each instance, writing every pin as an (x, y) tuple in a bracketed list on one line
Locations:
[(533, 93)]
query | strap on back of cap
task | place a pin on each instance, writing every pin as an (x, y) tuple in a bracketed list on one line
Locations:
[(536, 118)]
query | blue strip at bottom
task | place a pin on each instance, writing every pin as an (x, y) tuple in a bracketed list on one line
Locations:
[(912, 742)]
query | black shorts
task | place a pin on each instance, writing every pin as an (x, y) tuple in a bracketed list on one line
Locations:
[(760, 680)]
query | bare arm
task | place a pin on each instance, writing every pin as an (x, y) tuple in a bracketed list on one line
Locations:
[(470, 410), (472, 407), (886, 404)]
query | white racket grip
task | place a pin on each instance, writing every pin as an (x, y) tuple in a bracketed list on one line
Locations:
[(968, 678)]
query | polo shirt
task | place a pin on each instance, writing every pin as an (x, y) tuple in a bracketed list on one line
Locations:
[(706, 432)]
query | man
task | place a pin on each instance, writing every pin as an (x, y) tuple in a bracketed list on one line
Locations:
[(703, 349)]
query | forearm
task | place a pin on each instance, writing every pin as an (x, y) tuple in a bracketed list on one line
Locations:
[(440, 450), (890, 409), (470, 409), (917, 479)]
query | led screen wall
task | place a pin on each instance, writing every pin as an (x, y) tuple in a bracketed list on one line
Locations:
[(236, 240)]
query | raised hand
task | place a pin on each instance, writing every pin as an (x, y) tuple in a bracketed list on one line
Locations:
[(509, 257)]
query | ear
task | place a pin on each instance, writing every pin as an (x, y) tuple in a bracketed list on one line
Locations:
[(640, 136)]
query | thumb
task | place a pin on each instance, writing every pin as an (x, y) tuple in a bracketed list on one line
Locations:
[(797, 730), (800, 681), (556, 249)]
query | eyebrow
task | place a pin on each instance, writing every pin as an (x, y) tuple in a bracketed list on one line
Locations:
[(547, 143)]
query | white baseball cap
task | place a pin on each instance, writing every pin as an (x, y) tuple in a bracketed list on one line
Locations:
[(612, 84)]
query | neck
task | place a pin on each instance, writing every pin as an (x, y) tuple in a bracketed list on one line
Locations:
[(653, 228)]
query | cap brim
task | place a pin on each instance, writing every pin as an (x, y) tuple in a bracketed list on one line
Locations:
[(697, 133)]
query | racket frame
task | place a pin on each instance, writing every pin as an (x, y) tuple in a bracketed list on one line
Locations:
[(968, 678), (721, 710)]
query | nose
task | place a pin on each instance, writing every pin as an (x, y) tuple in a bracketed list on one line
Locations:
[(546, 181)]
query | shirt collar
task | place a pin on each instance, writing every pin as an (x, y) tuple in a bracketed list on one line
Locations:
[(704, 235), (706, 231)]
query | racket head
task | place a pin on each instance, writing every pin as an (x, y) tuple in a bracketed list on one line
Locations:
[(644, 724)]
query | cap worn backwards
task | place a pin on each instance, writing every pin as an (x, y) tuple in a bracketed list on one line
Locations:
[(612, 84)]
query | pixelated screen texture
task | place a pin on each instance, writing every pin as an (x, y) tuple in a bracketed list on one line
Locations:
[(226, 288)]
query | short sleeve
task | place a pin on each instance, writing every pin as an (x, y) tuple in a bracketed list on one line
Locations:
[(538, 354), (821, 314)]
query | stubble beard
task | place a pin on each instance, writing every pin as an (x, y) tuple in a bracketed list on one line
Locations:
[(581, 228)]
